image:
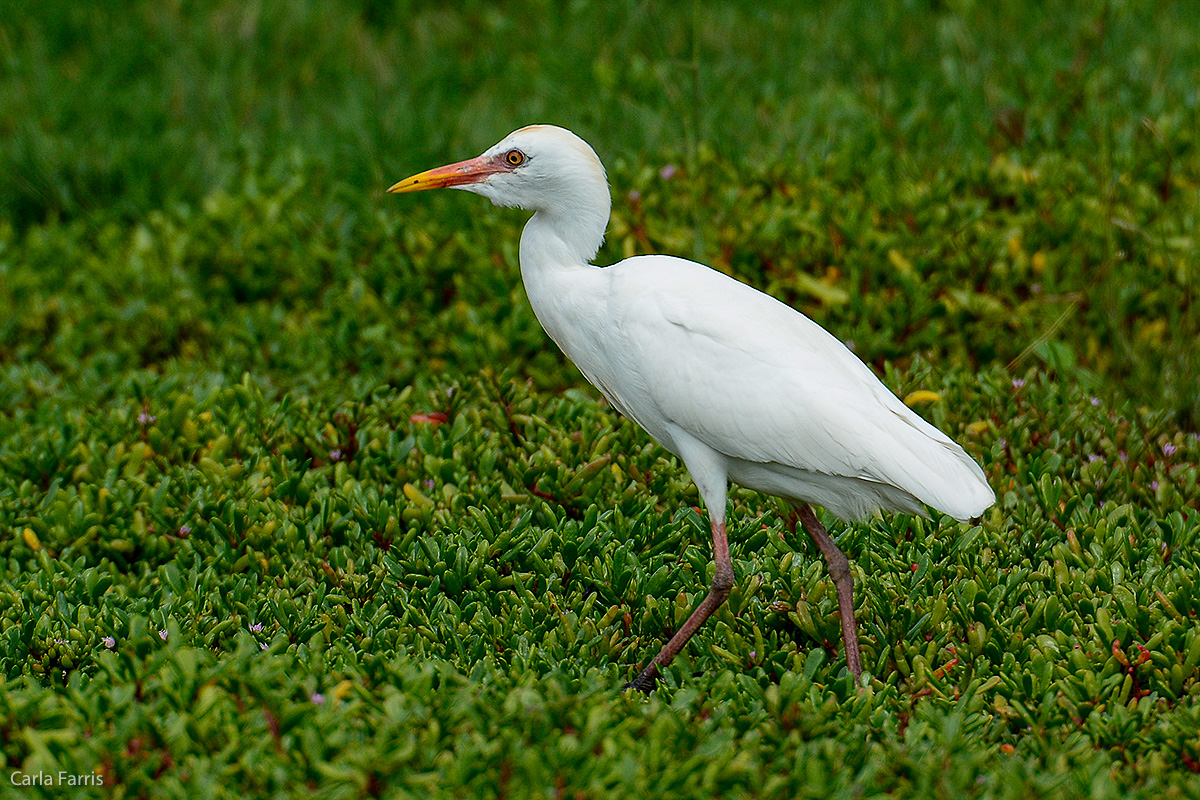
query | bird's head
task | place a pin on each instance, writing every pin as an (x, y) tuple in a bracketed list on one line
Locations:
[(538, 167)]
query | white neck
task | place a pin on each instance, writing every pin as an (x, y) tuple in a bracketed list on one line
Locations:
[(570, 233), (564, 290), (571, 205)]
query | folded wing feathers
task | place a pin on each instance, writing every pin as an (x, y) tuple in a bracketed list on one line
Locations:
[(789, 393)]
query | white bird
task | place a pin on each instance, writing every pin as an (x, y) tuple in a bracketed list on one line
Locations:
[(740, 386)]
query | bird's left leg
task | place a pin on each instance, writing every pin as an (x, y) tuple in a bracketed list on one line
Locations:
[(721, 584), (839, 570)]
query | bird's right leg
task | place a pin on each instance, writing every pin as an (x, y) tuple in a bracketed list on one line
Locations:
[(839, 570), (721, 584)]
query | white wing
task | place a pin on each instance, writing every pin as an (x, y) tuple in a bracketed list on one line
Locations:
[(759, 382)]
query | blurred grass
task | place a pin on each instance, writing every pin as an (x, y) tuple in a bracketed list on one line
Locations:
[(135, 104), (303, 454), (1072, 125)]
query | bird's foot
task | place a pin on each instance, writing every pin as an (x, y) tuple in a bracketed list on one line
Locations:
[(645, 681)]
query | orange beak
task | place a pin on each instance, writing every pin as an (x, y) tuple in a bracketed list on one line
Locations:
[(472, 170)]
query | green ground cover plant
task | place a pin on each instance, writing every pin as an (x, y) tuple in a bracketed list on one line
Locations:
[(297, 499)]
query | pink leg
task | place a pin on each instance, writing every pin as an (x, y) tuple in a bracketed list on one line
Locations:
[(839, 570), (722, 583)]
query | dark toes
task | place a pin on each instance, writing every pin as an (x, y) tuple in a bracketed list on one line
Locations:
[(643, 683)]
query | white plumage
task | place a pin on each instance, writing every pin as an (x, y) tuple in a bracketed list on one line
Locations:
[(740, 386)]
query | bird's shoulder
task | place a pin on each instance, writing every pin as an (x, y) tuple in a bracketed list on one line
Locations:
[(747, 374), (678, 300), (755, 380)]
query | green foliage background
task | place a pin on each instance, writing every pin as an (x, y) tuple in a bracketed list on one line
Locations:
[(297, 499)]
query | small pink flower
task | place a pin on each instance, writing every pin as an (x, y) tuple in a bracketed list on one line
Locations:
[(667, 172), (109, 642), (1018, 383), (163, 634), (317, 698), (1168, 449)]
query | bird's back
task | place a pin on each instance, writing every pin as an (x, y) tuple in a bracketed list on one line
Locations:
[(790, 408)]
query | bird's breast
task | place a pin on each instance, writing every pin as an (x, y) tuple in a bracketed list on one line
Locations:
[(584, 315)]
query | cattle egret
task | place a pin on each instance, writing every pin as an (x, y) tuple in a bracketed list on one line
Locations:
[(740, 386)]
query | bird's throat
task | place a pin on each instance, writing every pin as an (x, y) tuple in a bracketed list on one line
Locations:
[(553, 240)]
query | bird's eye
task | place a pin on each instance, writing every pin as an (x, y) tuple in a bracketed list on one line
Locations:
[(515, 158)]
